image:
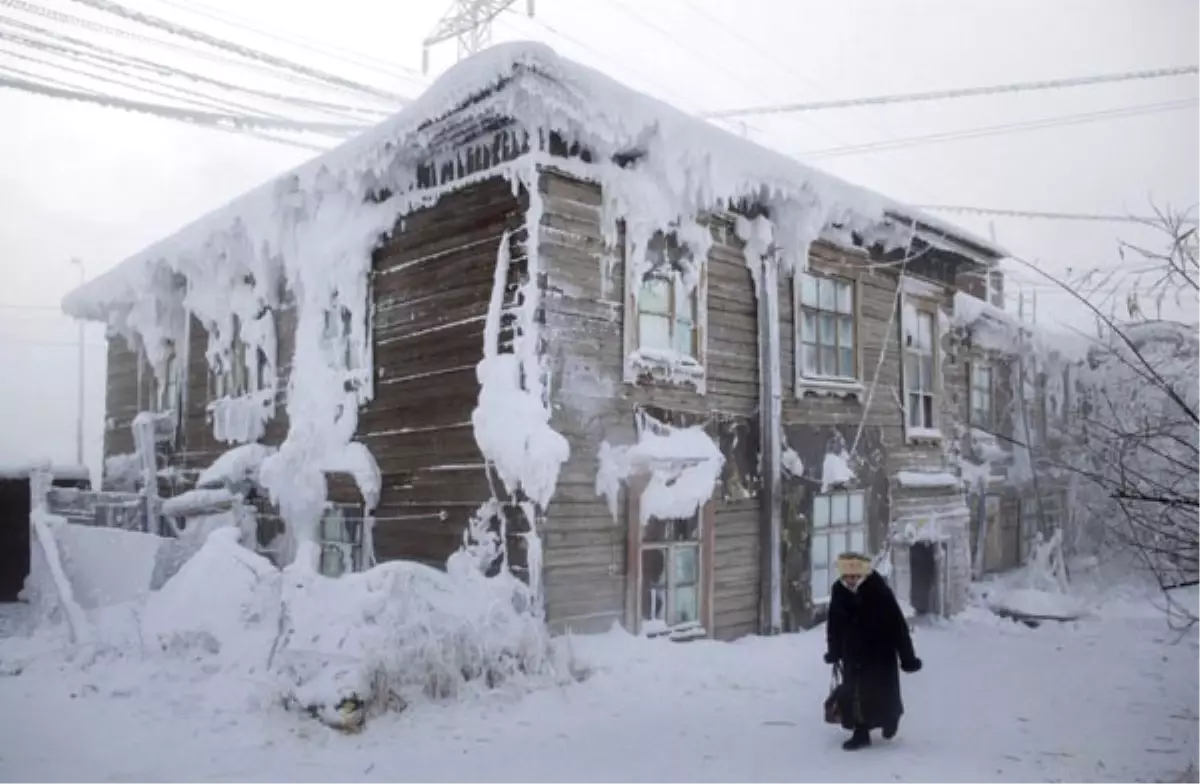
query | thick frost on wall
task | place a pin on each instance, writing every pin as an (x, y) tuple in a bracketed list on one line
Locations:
[(680, 466), (511, 420)]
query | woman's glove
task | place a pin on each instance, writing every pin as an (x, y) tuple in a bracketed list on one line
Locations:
[(911, 665)]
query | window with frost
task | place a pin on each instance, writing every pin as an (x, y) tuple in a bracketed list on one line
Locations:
[(827, 334), (664, 320), (341, 542), (166, 390), (667, 315), (982, 402), (838, 525), (236, 376), (670, 574), (338, 327), (920, 362)]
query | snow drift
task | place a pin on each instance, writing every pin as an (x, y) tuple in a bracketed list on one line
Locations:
[(397, 633), (403, 631)]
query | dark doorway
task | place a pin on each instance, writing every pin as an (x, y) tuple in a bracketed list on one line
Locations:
[(923, 568), (14, 537), (14, 530)]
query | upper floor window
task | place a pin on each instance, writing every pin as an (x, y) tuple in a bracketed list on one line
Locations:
[(983, 412), (827, 332), (242, 369), (665, 313), (920, 364), (337, 329)]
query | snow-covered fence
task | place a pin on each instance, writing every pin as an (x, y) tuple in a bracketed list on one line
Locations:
[(103, 509)]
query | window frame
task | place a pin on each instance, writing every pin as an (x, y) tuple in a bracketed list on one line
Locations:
[(804, 381), (988, 421), (830, 530), (922, 308), (634, 573), (654, 364), (235, 380)]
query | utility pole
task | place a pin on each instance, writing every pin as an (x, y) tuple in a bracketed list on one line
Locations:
[(79, 391), (469, 22)]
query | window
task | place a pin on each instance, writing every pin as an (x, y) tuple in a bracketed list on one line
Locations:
[(838, 525), (670, 575), (826, 325), (920, 356), (664, 317), (666, 314), (233, 378), (341, 542), (336, 333), (982, 406)]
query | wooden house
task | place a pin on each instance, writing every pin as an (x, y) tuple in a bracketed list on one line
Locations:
[(682, 309)]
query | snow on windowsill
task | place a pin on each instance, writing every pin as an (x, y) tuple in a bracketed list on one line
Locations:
[(930, 434), (664, 365), (835, 471), (917, 479), (681, 632), (828, 386), (682, 464)]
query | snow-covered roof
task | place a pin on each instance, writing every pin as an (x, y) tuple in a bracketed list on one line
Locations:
[(23, 470), (528, 82)]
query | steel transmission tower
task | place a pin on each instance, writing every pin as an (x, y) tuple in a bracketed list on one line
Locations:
[(469, 22)]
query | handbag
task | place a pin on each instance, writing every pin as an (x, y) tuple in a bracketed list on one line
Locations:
[(833, 703)]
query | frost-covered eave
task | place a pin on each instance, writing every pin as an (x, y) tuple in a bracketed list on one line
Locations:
[(950, 236)]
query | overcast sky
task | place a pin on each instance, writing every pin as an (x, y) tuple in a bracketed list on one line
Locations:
[(100, 184)]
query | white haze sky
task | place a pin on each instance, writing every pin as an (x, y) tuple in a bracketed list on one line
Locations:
[(101, 184)]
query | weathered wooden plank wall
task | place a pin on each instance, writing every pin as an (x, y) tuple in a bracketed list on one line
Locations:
[(431, 284), (585, 549)]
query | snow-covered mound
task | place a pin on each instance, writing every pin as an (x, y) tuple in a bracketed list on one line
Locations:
[(224, 601), (382, 638), (403, 631), (1034, 604)]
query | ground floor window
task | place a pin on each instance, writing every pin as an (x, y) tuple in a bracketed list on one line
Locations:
[(341, 541), (671, 584), (839, 524)]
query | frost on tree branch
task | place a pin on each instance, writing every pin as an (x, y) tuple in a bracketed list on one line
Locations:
[(1129, 433)]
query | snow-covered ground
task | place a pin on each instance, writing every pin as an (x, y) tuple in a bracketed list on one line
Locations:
[(1110, 697)]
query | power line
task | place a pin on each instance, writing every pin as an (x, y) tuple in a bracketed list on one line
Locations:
[(329, 50), (202, 52), (1035, 214), (244, 51), (211, 119), (69, 46), (1000, 130), (965, 92), (801, 76)]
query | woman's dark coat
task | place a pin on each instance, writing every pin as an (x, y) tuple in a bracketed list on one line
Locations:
[(868, 635)]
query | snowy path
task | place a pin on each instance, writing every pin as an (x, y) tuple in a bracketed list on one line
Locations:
[(1100, 700)]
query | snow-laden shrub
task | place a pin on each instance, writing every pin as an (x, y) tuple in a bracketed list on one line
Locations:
[(404, 631)]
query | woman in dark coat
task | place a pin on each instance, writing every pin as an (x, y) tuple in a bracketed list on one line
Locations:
[(867, 635)]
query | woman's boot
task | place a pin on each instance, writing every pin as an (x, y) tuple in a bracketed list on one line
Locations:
[(860, 738)]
